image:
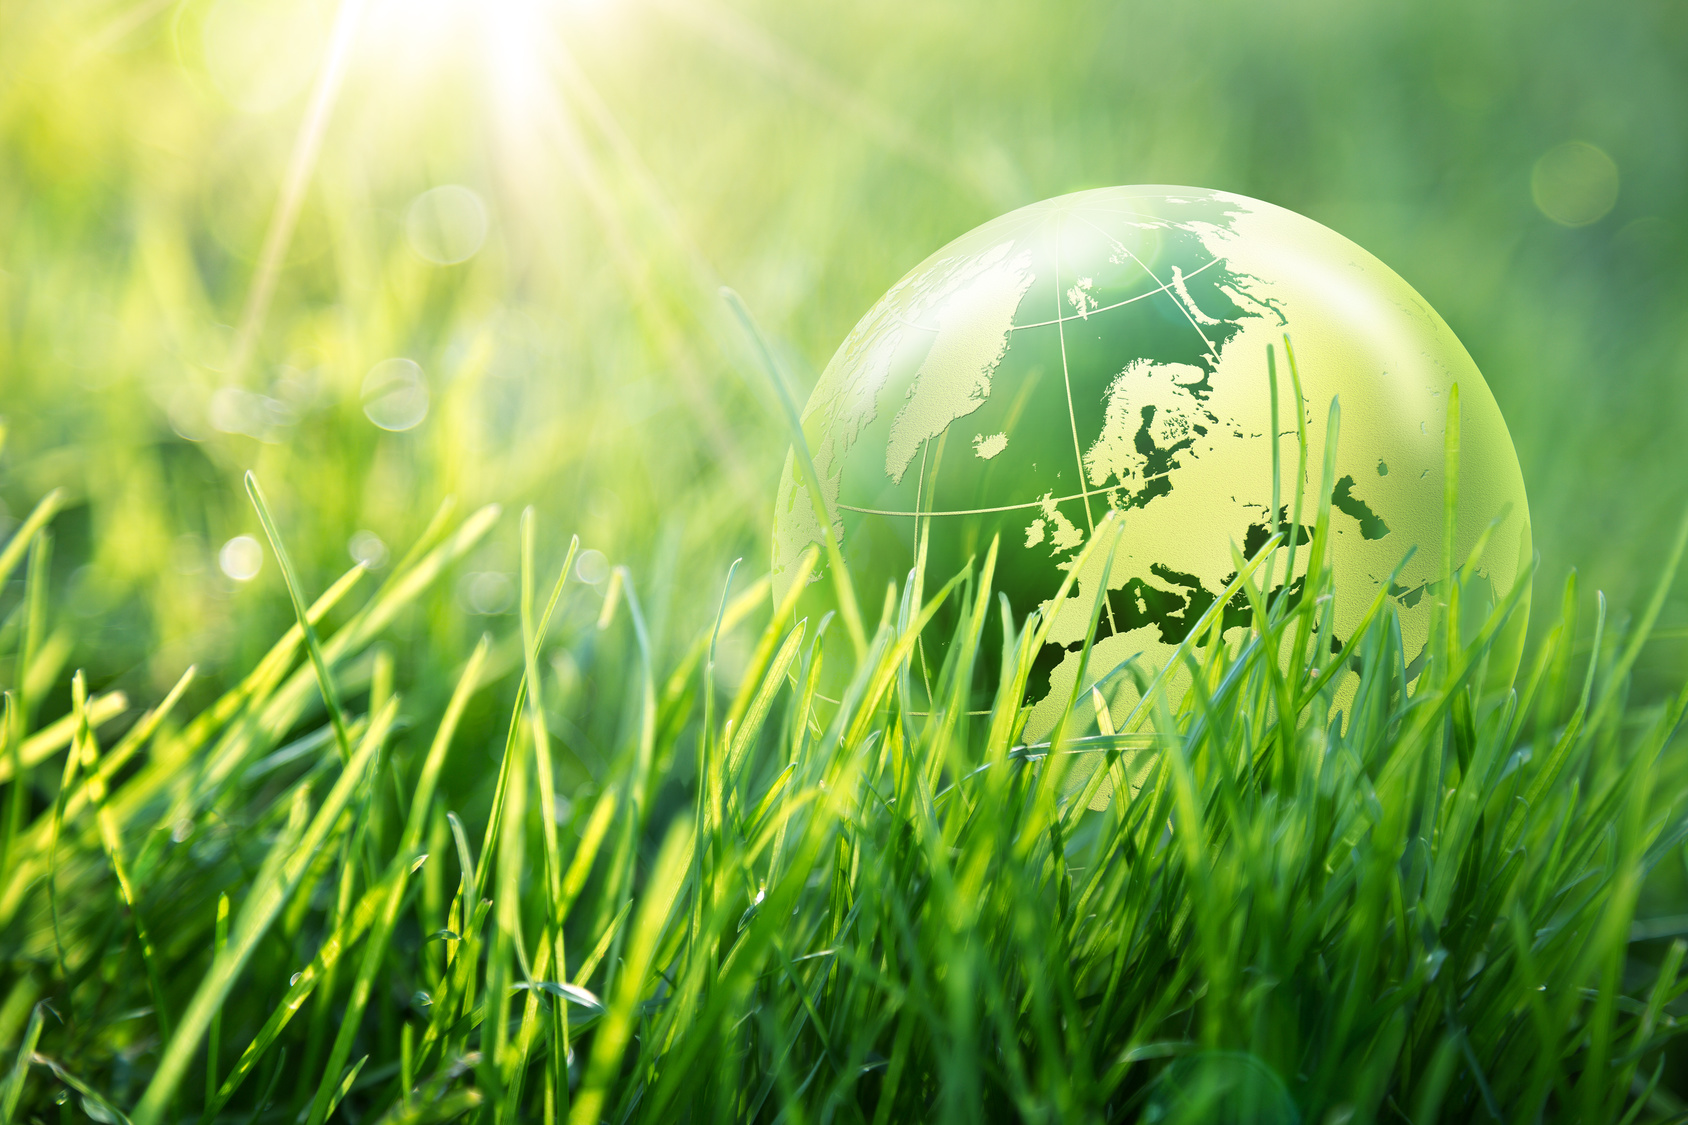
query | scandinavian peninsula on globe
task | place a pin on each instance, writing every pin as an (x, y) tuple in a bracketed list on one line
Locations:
[(1108, 350)]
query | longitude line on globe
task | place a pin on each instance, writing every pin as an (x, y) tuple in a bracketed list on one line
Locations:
[(919, 501), (1072, 419), (920, 488), (1157, 281)]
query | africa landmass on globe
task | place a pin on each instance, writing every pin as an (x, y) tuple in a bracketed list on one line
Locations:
[(1108, 350)]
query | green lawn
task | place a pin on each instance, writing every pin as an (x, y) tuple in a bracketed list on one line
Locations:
[(445, 278), (884, 910)]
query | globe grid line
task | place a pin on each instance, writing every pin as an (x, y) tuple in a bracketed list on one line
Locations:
[(1212, 353), (1158, 219), (965, 292), (1059, 323), (920, 485), (1061, 318), (929, 512), (919, 492), (1066, 380)]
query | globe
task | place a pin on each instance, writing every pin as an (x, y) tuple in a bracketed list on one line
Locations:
[(1107, 351)]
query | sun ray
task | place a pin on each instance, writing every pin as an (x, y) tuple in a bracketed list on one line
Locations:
[(742, 37), (120, 27), (306, 148), (580, 89), (527, 91)]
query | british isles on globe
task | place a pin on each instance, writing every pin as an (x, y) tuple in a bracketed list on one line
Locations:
[(1107, 350)]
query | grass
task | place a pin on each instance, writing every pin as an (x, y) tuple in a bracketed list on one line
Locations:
[(685, 893), (293, 906)]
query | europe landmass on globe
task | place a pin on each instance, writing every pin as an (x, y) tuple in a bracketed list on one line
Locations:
[(1108, 350)]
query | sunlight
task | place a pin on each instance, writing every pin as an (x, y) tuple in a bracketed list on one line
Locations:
[(431, 33)]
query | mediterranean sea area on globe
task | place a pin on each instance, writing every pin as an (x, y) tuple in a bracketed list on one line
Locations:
[(1107, 350)]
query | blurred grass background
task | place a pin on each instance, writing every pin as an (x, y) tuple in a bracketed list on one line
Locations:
[(623, 158)]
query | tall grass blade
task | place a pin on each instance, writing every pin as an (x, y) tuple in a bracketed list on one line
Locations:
[(276, 881)]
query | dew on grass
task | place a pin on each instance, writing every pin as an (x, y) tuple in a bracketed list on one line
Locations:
[(395, 394), (241, 558)]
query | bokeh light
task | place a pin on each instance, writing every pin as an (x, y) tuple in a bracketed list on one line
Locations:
[(487, 593), (597, 170), (367, 550), (241, 558), (394, 255), (592, 567), (395, 394), (1575, 184), (447, 224)]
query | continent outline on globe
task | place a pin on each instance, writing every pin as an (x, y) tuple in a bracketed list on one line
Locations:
[(1107, 350)]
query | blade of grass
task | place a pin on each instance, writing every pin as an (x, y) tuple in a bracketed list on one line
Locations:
[(220, 938), (532, 639), (283, 868), (55, 736), (72, 763), (87, 747), (512, 850), (22, 710), (302, 986), (330, 697), (15, 1079), (614, 1032), (811, 476), (376, 947), (24, 537), (1644, 627), (345, 1085)]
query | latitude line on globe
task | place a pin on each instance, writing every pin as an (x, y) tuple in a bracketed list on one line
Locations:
[(930, 512), (1060, 319)]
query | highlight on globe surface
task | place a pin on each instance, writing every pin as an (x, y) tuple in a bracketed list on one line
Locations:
[(469, 654)]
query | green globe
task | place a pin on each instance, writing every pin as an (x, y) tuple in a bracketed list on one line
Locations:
[(1107, 350)]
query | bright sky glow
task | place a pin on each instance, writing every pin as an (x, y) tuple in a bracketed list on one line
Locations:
[(511, 34)]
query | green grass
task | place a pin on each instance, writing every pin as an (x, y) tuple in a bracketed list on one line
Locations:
[(302, 903), (1443, 888)]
